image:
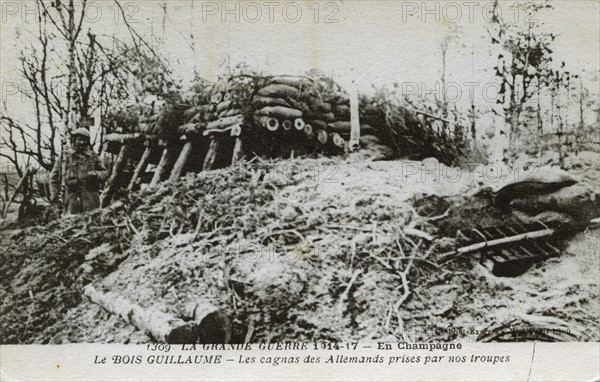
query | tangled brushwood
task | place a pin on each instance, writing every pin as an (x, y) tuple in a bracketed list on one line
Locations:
[(225, 235), (278, 254)]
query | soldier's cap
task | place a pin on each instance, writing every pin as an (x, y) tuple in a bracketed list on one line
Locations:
[(81, 132)]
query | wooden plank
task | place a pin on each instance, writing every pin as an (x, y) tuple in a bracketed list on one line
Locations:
[(181, 161), (211, 155), (109, 189), (140, 167)]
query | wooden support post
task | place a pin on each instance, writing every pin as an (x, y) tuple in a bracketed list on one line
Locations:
[(238, 152), (211, 155), (162, 166), (140, 166), (14, 195), (109, 189), (354, 118), (181, 161)]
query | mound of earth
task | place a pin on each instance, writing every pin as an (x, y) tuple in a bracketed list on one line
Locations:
[(304, 249)]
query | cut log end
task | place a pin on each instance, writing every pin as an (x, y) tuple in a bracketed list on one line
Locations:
[(322, 136), (215, 328), (338, 140), (299, 124), (272, 124), (308, 129), (236, 131)]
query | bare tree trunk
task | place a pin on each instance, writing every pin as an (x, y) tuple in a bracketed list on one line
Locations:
[(444, 98), (473, 124), (69, 118)]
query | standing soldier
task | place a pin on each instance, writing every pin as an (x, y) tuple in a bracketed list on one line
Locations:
[(84, 175)]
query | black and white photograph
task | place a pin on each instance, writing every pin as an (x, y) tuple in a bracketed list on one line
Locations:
[(423, 174)]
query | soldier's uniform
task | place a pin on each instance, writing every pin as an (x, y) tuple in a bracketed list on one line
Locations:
[(84, 176)]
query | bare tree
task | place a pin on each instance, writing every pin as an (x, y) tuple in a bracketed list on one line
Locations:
[(451, 37), (523, 62), (97, 72)]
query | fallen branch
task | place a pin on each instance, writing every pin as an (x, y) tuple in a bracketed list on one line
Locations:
[(418, 233), (281, 232), (439, 217), (339, 226), (406, 294), (346, 291)]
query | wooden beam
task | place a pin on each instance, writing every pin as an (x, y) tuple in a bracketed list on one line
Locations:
[(109, 189), (122, 137), (211, 155), (14, 194), (162, 166), (238, 152), (181, 161), (140, 167)]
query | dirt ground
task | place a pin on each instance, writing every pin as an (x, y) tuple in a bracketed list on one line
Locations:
[(306, 249)]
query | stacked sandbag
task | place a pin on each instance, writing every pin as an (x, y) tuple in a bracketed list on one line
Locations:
[(279, 106), (550, 194), (543, 180), (305, 110)]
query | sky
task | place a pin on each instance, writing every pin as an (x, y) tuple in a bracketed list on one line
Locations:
[(370, 42)]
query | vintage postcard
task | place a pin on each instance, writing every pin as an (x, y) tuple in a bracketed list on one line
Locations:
[(299, 190)]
